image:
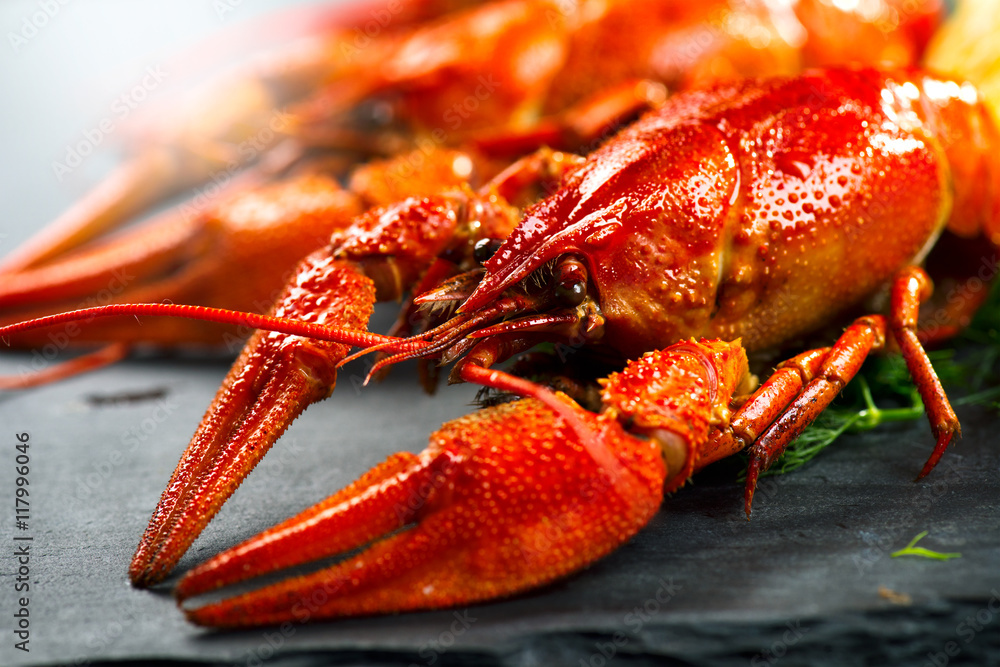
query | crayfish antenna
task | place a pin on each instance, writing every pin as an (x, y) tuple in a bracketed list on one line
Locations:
[(117, 351), (277, 324)]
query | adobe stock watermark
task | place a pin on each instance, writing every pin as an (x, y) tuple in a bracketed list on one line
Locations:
[(121, 108), (779, 647), (404, 167), (966, 631), (305, 607), (634, 621), (35, 22), (888, 17), (99, 642), (312, 602), (379, 19), (21, 547), (462, 110), (91, 482), (432, 650), (881, 544), (274, 639), (245, 152), (223, 7)]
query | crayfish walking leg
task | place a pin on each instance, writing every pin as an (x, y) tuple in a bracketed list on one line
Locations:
[(191, 256), (804, 386)]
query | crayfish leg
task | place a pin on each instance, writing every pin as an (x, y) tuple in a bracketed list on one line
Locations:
[(190, 254), (131, 188), (190, 257), (580, 125), (806, 385)]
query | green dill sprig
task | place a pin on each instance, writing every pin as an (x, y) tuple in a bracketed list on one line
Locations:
[(971, 365), (835, 421), (912, 550)]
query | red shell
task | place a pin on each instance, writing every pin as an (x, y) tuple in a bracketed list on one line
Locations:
[(760, 209)]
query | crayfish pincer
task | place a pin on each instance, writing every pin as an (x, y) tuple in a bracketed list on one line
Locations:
[(745, 215), (510, 497)]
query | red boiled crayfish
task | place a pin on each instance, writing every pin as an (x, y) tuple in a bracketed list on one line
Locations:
[(755, 212), (590, 63)]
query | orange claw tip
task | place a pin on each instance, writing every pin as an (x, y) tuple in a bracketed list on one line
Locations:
[(502, 501), (240, 428), (275, 378), (753, 472), (269, 386), (344, 521), (944, 439)]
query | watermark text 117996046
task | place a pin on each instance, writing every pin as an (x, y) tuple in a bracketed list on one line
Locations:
[(22, 543)]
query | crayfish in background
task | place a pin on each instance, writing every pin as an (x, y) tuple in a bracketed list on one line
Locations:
[(745, 214), (558, 74)]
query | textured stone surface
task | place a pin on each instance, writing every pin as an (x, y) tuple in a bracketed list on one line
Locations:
[(802, 577)]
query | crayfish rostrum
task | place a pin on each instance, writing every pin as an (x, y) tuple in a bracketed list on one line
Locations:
[(740, 216)]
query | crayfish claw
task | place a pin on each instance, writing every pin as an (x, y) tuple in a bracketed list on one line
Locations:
[(502, 500), (344, 521), (275, 378)]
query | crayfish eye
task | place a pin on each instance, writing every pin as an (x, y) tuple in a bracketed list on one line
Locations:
[(571, 282), (571, 294), (485, 249)]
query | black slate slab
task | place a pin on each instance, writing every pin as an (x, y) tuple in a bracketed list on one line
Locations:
[(800, 584)]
